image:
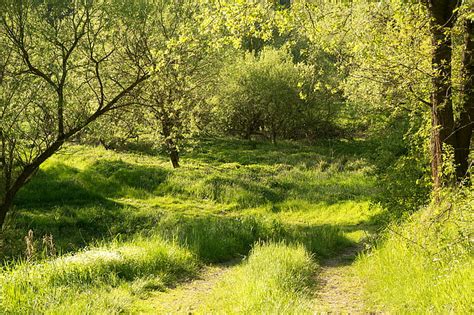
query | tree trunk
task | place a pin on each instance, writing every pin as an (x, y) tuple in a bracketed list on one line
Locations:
[(274, 137), (4, 208), (169, 143), (174, 156), (442, 20), (464, 126), (27, 172)]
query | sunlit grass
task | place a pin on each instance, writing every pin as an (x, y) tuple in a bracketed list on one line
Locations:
[(105, 207), (426, 264), (45, 286), (275, 279)]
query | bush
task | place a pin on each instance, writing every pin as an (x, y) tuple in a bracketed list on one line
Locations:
[(271, 96)]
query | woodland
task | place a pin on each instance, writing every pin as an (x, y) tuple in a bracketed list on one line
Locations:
[(236, 156)]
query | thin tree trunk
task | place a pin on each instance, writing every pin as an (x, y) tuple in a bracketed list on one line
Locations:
[(169, 143), (174, 155), (4, 208), (26, 174), (464, 125)]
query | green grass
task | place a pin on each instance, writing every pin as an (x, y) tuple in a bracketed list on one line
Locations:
[(52, 285), (227, 196), (276, 279), (86, 194), (426, 264)]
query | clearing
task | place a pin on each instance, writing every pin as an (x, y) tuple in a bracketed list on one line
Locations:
[(205, 216)]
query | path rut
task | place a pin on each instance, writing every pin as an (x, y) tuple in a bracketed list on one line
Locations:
[(338, 288), (185, 299)]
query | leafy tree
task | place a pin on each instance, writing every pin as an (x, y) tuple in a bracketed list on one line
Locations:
[(67, 65), (180, 47), (270, 95)]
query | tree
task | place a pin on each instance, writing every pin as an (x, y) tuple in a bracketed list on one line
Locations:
[(67, 65), (181, 51), (446, 129), (465, 123), (443, 17), (272, 96)]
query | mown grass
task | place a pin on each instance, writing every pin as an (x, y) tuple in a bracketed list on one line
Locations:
[(276, 279), (425, 264)]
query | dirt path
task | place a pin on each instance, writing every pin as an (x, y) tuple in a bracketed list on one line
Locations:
[(338, 289), (186, 298)]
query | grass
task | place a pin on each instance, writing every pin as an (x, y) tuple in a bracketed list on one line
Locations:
[(126, 224), (51, 285), (227, 196), (425, 264), (276, 279), (86, 194)]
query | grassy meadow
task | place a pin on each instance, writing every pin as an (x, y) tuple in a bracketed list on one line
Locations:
[(127, 223), (103, 232)]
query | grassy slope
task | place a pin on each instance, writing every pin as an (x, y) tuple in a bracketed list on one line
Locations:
[(227, 196), (425, 265)]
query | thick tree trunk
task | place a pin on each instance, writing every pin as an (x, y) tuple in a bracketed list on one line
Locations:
[(442, 20), (464, 126)]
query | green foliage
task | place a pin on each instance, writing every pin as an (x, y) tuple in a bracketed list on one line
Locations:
[(270, 95), (275, 279)]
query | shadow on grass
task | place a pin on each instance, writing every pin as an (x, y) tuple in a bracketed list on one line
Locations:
[(216, 151), (74, 206), (62, 184)]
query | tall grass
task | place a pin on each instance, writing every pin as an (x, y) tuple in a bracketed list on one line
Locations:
[(220, 238), (254, 191), (275, 279), (128, 223), (425, 265), (42, 287)]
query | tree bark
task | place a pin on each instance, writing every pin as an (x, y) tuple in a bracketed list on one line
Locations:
[(4, 208), (169, 143), (174, 155), (443, 16), (465, 123), (25, 175)]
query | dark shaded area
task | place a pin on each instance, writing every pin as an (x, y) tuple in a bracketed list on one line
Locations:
[(73, 205), (62, 184), (113, 177)]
